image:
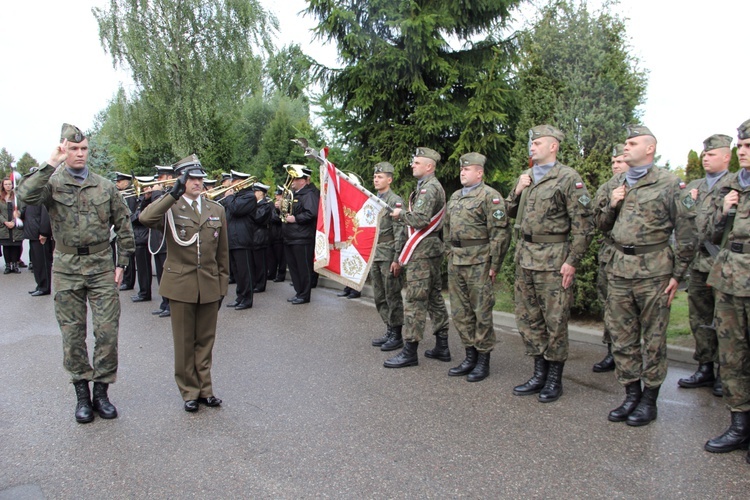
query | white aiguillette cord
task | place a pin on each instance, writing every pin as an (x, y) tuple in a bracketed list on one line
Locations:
[(177, 239)]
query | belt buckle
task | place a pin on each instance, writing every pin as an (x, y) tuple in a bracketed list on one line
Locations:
[(737, 247), (628, 249), (83, 250), (456, 243)]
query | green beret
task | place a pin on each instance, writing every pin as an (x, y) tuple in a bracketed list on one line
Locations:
[(428, 153), (743, 131), (384, 167), (71, 133), (472, 159), (546, 131), (618, 150), (638, 130), (717, 141)]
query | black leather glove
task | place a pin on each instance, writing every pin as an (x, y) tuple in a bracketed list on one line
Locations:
[(178, 189)]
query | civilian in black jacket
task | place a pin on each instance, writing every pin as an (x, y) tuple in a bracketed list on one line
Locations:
[(261, 235), (37, 229), (240, 208), (299, 234)]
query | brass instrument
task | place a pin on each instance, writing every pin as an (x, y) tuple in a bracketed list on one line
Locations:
[(214, 193), (287, 196), (138, 187)]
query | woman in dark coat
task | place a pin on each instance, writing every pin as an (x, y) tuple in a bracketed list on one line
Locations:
[(11, 234)]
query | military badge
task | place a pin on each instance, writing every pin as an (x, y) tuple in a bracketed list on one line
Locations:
[(216, 234), (420, 203), (688, 201), (584, 200), (498, 214)]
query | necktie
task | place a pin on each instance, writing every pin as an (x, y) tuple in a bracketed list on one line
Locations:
[(195, 208)]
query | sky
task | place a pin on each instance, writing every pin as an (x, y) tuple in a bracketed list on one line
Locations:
[(55, 70)]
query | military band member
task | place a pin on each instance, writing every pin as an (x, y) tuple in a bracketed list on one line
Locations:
[(124, 182), (209, 184), (298, 232), (240, 207), (157, 245), (477, 236), (385, 274), (259, 221), (552, 210), (642, 208), (275, 253), (716, 156), (144, 273), (423, 254), (195, 279), (83, 206), (730, 277)]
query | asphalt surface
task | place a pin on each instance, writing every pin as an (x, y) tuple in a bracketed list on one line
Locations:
[(309, 411)]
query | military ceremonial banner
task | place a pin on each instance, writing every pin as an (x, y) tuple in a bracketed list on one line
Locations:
[(347, 231)]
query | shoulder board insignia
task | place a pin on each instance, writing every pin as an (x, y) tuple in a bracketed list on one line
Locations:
[(423, 191), (682, 185), (495, 201), (579, 185)]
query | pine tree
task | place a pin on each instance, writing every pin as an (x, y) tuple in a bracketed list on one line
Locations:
[(694, 168)]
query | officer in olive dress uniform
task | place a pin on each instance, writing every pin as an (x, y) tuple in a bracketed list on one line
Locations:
[(124, 182), (83, 206), (716, 156), (642, 208), (730, 277), (477, 236), (195, 279), (423, 255), (552, 210)]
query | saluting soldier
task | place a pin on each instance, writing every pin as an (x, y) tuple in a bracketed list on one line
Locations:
[(423, 254), (642, 208), (552, 210), (716, 156), (386, 274), (477, 237), (83, 206), (196, 277)]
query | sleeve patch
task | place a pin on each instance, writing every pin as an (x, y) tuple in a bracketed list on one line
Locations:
[(495, 201), (579, 185), (584, 200), (688, 201), (498, 214), (682, 185)]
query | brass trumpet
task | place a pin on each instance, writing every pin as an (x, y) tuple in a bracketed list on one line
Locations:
[(214, 193), (287, 196), (138, 187)]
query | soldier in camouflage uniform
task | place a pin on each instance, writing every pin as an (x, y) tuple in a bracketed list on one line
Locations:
[(730, 277), (82, 207), (641, 208), (551, 207), (605, 253), (385, 274), (716, 156), (477, 236), (423, 255)]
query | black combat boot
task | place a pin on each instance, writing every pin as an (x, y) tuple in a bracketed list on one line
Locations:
[(482, 370), (84, 411), (467, 365), (537, 380), (395, 341), (407, 357), (607, 364), (441, 350), (632, 398), (103, 407), (718, 390), (703, 377), (737, 437), (645, 412), (382, 340), (553, 387)]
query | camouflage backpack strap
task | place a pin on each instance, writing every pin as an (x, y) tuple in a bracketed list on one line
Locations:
[(728, 228), (521, 208)]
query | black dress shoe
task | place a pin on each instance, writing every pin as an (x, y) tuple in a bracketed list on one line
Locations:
[(232, 282), (343, 293), (278, 280), (259, 290), (354, 295), (233, 304), (39, 293), (243, 306), (300, 300), (191, 405), (165, 313), (292, 299), (139, 298), (35, 290), (157, 312), (125, 287), (21, 264), (210, 401)]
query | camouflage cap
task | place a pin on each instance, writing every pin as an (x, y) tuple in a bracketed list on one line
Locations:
[(384, 167), (428, 153), (717, 141), (618, 150), (638, 130), (743, 131), (71, 133), (546, 131), (472, 159)]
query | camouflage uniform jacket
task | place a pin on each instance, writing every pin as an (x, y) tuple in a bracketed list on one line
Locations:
[(730, 273), (81, 216), (654, 207), (558, 204), (424, 203), (605, 248), (392, 230), (480, 215), (704, 206)]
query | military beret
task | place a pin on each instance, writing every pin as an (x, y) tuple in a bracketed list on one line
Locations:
[(717, 141), (259, 186), (743, 131), (546, 131), (71, 133), (144, 178), (428, 153), (472, 159), (298, 171), (618, 150), (637, 131), (190, 164), (384, 167), (209, 182), (239, 175), (119, 176)]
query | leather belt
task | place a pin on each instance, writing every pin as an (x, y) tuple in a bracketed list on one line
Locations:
[(545, 238), (641, 249), (737, 247), (386, 238), (469, 243), (81, 250)]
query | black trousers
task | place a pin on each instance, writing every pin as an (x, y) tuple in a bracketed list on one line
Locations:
[(241, 262), (12, 253), (276, 260), (299, 258), (128, 278), (143, 270), (159, 260), (259, 269), (41, 259)]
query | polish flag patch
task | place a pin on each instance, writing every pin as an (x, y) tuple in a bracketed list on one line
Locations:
[(423, 191), (398, 205), (495, 201), (682, 185), (579, 185)]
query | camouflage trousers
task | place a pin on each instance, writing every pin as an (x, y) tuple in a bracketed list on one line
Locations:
[(732, 329), (637, 316), (71, 293), (386, 290), (472, 300), (701, 305), (423, 284), (602, 282), (542, 313)]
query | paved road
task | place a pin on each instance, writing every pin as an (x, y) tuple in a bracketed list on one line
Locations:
[(309, 411)]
